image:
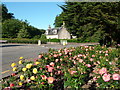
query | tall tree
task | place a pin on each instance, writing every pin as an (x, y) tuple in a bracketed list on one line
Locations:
[(5, 14), (92, 21)]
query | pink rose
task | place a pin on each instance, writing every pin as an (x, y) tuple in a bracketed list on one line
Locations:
[(91, 59), (50, 79), (73, 72), (80, 60), (55, 55), (50, 69), (56, 60), (106, 54), (102, 71), (116, 76), (47, 66), (40, 56), (88, 65), (43, 77), (106, 77), (60, 54), (93, 55), (94, 78), (52, 64), (80, 55)]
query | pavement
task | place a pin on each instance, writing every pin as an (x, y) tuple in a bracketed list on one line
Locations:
[(12, 52)]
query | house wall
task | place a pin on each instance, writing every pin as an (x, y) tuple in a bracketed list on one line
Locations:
[(52, 36), (64, 34)]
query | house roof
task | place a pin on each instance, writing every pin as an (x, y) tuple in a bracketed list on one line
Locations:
[(51, 30)]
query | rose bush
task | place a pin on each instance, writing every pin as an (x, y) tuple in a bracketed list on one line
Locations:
[(68, 68)]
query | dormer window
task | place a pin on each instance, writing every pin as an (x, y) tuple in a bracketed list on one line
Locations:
[(54, 31)]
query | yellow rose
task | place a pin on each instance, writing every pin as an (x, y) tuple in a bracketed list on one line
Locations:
[(14, 69), (35, 70), (20, 62), (28, 66), (21, 58), (37, 63), (32, 78), (21, 77), (13, 64), (24, 69), (20, 83)]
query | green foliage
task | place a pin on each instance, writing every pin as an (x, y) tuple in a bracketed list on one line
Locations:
[(43, 38), (23, 34), (5, 14), (92, 21), (10, 28), (13, 28), (24, 40)]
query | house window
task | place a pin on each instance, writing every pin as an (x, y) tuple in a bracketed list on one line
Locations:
[(54, 31)]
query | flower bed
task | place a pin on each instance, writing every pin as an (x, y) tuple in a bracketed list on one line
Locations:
[(68, 68)]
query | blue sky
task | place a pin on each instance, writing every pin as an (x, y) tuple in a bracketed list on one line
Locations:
[(38, 14)]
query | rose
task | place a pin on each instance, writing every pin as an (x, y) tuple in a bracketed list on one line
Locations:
[(24, 69), (13, 64), (12, 85), (21, 77), (52, 64), (21, 58), (40, 56), (106, 77), (80, 55), (47, 66), (106, 54), (20, 83), (55, 55), (20, 62), (13, 74), (50, 80), (91, 59), (80, 60), (116, 76), (102, 70), (35, 71), (29, 65), (32, 78), (42, 83), (50, 69), (43, 77), (72, 72), (88, 65), (14, 69), (37, 63), (94, 78), (93, 55)]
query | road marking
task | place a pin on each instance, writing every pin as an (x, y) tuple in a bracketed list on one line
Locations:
[(5, 71)]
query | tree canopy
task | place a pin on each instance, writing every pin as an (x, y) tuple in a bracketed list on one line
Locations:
[(15, 28), (92, 21)]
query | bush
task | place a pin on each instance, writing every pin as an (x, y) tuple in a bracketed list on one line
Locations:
[(25, 41), (68, 68)]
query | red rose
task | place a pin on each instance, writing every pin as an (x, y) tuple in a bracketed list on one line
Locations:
[(12, 85)]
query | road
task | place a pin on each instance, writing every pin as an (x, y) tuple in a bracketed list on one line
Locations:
[(12, 52)]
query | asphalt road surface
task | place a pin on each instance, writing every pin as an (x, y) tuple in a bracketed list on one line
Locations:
[(12, 52)]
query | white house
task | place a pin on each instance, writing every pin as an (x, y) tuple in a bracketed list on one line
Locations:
[(58, 33)]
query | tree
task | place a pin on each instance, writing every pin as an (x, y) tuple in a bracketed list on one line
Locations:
[(23, 32), (91, 21), (10, 28), (5, 14)]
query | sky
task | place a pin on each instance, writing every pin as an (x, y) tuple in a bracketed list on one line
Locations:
[(38, 14)]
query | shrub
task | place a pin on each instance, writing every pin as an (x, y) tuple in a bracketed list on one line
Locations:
[(68, 68)]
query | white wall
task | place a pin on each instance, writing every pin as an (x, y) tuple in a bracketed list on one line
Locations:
[(52, 36)]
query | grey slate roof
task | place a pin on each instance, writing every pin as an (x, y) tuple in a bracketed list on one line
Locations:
[(50, 31)]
